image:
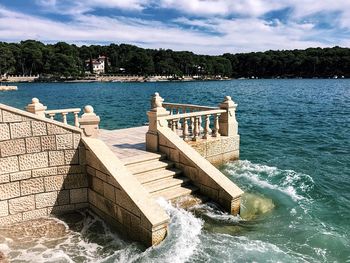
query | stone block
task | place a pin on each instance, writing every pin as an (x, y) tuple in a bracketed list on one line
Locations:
[(4, 209), (64, 141), (81, 206), (101, 175), (10, 117), (4, 178), (123, 200), (158, 236), (32, 186), (214, 147), (97, 185), (33, 144), (33, 160), (20, 130), (71, 156), (56, 158), (75, 181), (174, 155), (108, 191), (4, 131), (230, 144), (91, 171), (45, 199), (53, 129), (63, 197), (82, 155), (60, 209), (20, 176), (44, 172), (200, 147), (35, 214), (70, 169), (78, 195), (8, 165), (76, 140), (21, 204), (9, 190), (53, 183), (39, 128), (48, 143), (12, 147), (9, 220)]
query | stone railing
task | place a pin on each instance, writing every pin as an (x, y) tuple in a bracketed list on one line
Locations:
[(88, 121), (191, 122), (63, 113), (196, 124)]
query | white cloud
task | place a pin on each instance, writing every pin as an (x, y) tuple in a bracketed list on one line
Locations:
[(205, 35)]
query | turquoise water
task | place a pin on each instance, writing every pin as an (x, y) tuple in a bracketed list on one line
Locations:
[(295, 155)]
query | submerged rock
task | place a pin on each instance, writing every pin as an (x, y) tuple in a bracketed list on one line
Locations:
[(38, 228), (253, 205)]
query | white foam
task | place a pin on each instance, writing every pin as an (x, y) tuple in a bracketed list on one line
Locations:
[(289, 182)]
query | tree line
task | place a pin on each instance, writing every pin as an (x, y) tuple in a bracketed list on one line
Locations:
[(32, 57)]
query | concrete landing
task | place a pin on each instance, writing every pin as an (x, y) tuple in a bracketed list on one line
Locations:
[(127, 144)]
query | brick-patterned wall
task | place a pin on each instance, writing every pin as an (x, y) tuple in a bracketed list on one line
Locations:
[(42, 167), (112, 203), (218, 150)]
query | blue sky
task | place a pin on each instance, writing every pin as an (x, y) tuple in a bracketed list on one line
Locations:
[(201, 26)]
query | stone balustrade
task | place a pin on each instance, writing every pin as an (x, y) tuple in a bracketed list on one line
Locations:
[(201, 126), (196, 125), (88, 122), (64, 113), (195, 122)]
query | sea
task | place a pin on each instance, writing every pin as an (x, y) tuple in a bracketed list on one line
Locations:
[(294, 168)]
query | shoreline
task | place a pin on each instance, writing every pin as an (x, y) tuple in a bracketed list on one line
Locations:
[(135, 79)]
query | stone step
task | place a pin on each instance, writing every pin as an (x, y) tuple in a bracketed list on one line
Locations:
[(144, 158), (175, 192), (157, 175), (166, 183), (149, 166)]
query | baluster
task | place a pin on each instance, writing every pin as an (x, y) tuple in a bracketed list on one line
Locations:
[(64, 117), (196, 129), (173, 125), (191, 127), (76, 119), (183, 109), (206, 127), (178, 123), (185, 132), (171, 110), (169, 123), (52, 116), (215, 132), (200, 124)]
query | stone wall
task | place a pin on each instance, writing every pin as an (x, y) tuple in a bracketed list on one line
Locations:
[(118, 197), (203, 174), (42, 167), (218, 150)]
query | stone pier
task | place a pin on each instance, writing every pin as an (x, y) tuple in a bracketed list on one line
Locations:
[(49, 167)]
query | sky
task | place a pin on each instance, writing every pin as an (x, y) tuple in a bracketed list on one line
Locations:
[(203, 26)]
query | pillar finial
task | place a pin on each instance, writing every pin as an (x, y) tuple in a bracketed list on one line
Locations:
[(36, 107)]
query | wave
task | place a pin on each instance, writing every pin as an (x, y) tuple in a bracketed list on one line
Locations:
[(293, 184)]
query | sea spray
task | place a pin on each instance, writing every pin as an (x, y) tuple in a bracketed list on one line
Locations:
[(295, 185)]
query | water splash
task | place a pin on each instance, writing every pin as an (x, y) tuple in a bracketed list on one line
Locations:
[(295, 185)]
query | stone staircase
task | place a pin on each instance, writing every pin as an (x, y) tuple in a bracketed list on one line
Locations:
[(159, 176)]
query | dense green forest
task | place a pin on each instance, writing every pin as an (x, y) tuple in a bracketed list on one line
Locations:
[(62, 60)]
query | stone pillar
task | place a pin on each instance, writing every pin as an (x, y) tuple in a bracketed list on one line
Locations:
[(36, 107), (156, 111), (89, 122), (227, 123)]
